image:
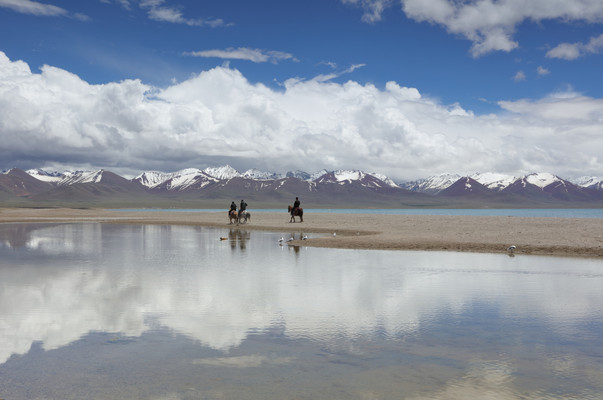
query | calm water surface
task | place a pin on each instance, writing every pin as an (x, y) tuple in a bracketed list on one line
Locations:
[(101, 311)]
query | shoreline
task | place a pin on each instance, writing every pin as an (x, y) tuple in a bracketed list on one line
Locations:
[(575, 237)]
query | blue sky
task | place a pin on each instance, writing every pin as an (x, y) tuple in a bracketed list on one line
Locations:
[(407, 88)]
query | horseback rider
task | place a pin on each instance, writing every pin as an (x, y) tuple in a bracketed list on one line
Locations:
[(233, 208), (242, 207), (296, 204)]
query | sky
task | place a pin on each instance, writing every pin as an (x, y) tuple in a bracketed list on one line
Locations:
[(404, 88)]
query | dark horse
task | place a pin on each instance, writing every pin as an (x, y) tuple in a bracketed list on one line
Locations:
[(244, 216), (298, 212)]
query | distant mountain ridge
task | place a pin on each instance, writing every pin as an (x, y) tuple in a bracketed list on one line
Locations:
[(345, 187)]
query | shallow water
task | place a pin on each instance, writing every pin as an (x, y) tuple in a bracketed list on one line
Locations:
[(102, 311)]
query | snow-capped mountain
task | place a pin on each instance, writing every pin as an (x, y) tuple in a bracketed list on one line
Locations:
[(494, 181), (70, 178), (541, 179), (432, 184), (343, 177), (224, 172), (592, 182), (218, 184), (153, 178), (45, 176), (304, 176), (261, 175)]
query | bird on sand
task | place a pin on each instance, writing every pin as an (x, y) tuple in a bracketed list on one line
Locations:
[(511, 248)]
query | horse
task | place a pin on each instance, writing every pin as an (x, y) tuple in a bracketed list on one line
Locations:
[(298, 212), (244, 216), (232, 216)]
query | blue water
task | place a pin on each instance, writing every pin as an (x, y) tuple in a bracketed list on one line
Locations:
[(505, 212), (115, 311)]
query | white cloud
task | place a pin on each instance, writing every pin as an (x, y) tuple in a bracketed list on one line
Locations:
[(39, 9), (542, 71), (159, 12), (244, 53), (519, 76), (488, 24), (572, 51), (33, 7), (333, 75), (55, 117), (373, 9)]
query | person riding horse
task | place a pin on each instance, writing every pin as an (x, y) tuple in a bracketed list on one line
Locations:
[(296, 205), (233, 208), (242, 207)]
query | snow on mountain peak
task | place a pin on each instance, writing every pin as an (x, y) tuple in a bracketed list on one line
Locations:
[(45, 176), (224, 172), (73, 177), (589, 181), (541, 179), (432, 184), (343, 176), (260, 175), (493, 180)]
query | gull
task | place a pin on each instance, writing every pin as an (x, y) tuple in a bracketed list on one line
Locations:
[(290, 239), (334, 233), (511, 248), (305, 237), (281, 239)]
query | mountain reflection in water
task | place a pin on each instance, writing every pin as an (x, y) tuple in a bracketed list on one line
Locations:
[(234, 313)]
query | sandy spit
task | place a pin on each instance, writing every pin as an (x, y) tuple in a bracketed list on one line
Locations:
[(579, 237)]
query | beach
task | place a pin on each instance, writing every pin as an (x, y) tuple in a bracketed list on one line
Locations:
[(576, 237)]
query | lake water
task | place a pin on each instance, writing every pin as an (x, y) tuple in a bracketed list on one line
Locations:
[(103, 311)]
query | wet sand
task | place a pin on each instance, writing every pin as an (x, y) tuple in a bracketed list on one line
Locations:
[(579, 237)]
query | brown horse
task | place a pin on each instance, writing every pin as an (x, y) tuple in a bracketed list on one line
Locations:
[(233, 217), (298, 212)]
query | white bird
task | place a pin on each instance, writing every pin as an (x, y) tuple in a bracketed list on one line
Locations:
[(334, 233), (290, 239), (511, 248), (281, 240), (305, 237)]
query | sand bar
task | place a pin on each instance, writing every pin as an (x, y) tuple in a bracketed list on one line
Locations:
[(579, 237)]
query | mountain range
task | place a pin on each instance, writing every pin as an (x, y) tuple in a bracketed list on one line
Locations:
[(218, 186)]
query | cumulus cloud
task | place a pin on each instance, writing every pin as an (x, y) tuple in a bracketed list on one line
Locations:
[(53, 116), (488, 24), (244, 53), (572, 51)]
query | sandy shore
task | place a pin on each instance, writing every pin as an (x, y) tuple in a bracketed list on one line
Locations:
[(542, 236)]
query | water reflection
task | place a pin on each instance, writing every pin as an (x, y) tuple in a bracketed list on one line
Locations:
[(475, 322)]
